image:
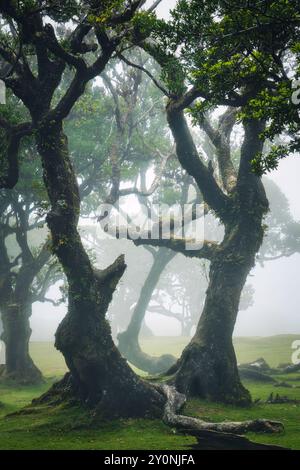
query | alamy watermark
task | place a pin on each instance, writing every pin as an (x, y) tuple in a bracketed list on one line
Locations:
[(296, 92), (183, 224), (296, 354), (2, 92), (2, 352)]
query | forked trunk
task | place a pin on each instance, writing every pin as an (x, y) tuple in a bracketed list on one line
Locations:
[(208, 366), (100, 377)]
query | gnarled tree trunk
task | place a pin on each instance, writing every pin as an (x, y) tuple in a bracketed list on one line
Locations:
[(128, 342), (208, 366), (100, 377)]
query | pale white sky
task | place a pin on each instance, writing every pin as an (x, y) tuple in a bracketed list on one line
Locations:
[(164, 7)]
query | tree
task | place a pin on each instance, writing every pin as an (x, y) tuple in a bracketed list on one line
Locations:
[(199, 44), (128, 340), (283, 231), (98, 374), (177, 298), (16, 295), (135, 137), (27, 268)]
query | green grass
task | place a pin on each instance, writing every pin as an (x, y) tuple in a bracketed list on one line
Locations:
[(63, 428), (288, 414), (274, 349), (70, 428)]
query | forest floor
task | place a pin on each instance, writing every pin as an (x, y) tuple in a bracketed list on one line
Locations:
[(70, 428)]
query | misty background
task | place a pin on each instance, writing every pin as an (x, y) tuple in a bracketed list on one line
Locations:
[(277, 285)]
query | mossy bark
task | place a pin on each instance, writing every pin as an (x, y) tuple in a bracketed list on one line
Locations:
[(208, 366), (128, 341), (100, 377)]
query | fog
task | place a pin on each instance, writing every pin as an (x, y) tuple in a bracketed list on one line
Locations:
[(276, 308), (277, 295), (149, 227), (276, 299)]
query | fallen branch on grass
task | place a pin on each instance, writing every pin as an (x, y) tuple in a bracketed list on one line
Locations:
[(278, 400)]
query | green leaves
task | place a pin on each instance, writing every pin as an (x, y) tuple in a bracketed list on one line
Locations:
[(264, 163), (241, 53)]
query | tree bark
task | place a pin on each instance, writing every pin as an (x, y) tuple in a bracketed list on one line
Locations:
[(208, 366), (16, 334), (128, 342), (100, 377)]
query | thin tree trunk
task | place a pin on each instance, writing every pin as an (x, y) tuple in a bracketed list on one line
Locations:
[(99, 375), (128, 342)]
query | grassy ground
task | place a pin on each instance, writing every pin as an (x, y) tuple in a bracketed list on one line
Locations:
[(274, 349), (71, 429)]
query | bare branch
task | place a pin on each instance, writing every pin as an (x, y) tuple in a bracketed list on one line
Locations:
[(154, 6), (140, 67), (220, 138), (180, 245), (190, 160), (155, 183)]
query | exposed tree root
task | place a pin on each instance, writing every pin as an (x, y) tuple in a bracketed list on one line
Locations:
[(60, 392), (131, 398), (278, 399), (225, 435)]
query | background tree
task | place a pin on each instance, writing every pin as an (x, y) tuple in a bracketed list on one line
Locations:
[(26, 264)]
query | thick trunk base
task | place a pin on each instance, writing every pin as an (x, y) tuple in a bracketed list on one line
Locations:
[(129, 400), (18, 367), (99, 377), (27, 375), (207, 373), (130, 349)]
